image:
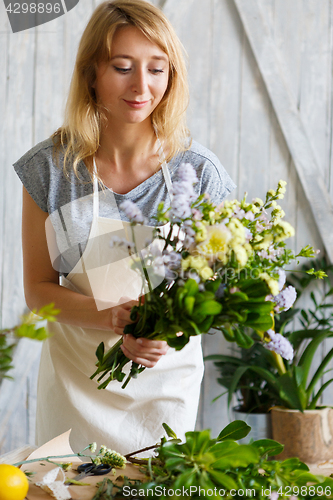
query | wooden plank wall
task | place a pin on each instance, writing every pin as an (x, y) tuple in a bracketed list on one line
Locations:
[(230, 112)]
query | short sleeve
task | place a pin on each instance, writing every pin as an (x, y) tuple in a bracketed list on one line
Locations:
[(213, 177), (216, 182), (33, 169)]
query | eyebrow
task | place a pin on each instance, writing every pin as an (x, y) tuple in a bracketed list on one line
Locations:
[(124, 56)]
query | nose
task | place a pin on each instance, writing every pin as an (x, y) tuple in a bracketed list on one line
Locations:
[(140, 81)]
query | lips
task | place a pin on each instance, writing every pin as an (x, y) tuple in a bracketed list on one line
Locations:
[(136, 104)]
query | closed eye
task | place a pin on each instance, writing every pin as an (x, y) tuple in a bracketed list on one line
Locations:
[(122, 70), (156, 71)]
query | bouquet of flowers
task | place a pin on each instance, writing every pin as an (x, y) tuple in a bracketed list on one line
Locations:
[(221, 267)]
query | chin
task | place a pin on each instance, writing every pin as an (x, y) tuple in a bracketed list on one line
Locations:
[(137, 118)]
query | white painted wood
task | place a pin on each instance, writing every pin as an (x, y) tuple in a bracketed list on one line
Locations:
[(226, 86), (290, 121), (330, 101), (4, 83), (49, 94), (254, 129)]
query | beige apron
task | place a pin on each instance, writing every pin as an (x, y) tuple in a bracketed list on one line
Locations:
[(123, 419)]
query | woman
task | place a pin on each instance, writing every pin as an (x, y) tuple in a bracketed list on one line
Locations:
[(125, 113)]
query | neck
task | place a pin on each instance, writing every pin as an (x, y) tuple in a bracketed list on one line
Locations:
[(124, 145)]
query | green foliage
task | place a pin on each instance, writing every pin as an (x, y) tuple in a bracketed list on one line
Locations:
[(29, 328), (254, 376), (220, 468)]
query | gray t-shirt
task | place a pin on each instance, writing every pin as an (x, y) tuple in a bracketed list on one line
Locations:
[(69, 200)]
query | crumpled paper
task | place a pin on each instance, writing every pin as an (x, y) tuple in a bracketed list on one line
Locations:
[(54, 483)]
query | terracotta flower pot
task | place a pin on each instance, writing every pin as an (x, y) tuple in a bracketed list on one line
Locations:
[(308, 435)]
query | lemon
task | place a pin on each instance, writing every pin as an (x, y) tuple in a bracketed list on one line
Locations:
[(14, 484)]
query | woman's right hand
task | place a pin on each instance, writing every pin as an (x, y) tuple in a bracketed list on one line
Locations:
[(120, 315)]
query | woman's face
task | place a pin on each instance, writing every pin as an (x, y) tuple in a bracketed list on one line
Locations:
[(133, 82)]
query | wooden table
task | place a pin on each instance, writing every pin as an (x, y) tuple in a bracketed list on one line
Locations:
[(77, 492), (322, 468)]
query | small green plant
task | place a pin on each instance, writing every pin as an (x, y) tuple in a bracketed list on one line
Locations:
[(254, 376), (221, 469), (29, 327)]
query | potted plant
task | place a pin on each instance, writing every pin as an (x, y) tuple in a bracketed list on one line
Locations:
[(292, 388), (253, 394)]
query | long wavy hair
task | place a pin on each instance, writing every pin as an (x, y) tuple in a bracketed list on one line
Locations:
[(80, 133)]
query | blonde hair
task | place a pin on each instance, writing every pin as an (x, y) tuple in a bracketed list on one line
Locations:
[(80, 134)]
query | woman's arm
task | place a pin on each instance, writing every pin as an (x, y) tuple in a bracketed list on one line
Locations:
[(41, 281), (41, 287)]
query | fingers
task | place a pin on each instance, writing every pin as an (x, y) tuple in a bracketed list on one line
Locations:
[(120, 315), (143, 351)]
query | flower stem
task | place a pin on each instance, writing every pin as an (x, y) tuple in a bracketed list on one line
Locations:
[(47, 459), (279, 363)]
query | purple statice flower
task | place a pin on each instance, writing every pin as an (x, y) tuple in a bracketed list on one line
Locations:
[(183, 193), (173, 258), (285, 299), (181, 188), (180, 207), (280, 345), (132, 212), (172, 261), (189, 234), (186, 173), (166, 264)]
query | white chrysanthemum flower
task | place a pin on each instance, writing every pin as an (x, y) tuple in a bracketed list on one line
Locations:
[(93, 447), (285, 299)]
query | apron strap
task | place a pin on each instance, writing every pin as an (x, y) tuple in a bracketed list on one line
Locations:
[(95, 194)]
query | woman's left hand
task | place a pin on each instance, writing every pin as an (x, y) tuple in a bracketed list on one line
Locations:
[(143, 351)]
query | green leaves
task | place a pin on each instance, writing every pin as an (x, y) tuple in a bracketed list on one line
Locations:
[(29, 328), (268, 447), (235, 430), (100, 352), (206, 465), (232, 454), (169, 431)]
